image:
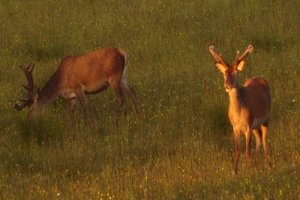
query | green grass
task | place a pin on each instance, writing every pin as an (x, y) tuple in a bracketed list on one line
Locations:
[(182, 147)]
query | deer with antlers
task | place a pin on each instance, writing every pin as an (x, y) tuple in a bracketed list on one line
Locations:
[(77, 76), (249, 105)]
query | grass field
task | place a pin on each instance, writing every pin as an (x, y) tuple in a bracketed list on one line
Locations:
[(182, 147)]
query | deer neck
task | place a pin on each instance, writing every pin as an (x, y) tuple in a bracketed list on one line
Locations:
[(49, 92), (235, 101)]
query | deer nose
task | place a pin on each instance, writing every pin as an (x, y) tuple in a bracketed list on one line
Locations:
[(228, 88)]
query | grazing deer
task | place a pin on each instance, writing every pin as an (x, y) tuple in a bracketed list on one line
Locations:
[(79, 75), (249, 105)]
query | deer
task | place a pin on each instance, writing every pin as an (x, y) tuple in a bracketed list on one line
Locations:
[(78, 76), (249, 105)]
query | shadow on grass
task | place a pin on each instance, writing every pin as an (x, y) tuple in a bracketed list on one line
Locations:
[(219, 129), (41, 131), (269, 43)]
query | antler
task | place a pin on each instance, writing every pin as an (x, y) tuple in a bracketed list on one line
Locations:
[(30, 87), (218, 58), (28, 73), (239, 58), (24, 103)]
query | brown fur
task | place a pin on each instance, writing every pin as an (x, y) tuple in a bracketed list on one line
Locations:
[(249, 106), (86, 74)]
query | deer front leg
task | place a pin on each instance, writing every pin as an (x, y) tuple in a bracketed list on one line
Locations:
[(257, 133), (70, 103), (248, 144), (82, 100), (236, 158)]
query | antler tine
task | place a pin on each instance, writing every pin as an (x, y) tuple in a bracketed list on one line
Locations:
[(30, 67), (30, 81), (218, 58), (236, 60), (237, 55), (23, 104), (26, 87), (28, 73), (249, 49), (29, 87)]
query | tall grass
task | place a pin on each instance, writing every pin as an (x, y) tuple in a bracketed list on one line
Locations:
[(182, 147)]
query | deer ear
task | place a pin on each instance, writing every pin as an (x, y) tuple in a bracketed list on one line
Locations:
[(222, 68), (241, 65)]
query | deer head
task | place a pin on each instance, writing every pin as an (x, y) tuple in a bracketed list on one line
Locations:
[(31, 94), (230, 71)]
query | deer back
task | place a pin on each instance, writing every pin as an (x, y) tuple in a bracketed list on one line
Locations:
[(255, 95), (91, 70)]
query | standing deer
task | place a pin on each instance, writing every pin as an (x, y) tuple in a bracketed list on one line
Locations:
[(249, 105), (79, 75)]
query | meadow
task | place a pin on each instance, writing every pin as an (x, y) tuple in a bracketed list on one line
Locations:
[(182, 145)]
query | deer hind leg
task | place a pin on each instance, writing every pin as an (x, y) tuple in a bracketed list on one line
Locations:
[(248, 135), (236, 152), (116, 86), (264, 129), (130, 92), (258, 138)]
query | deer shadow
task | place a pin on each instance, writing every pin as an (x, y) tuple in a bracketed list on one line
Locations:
[(41, 131)]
